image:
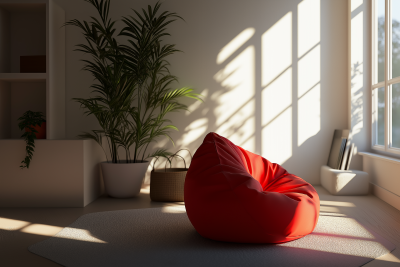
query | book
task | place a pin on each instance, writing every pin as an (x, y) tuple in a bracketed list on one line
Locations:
[(350, 155), (337, 148), (345, 156), (341, 152)]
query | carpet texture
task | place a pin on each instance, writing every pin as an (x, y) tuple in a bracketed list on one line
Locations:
[(165, 237)]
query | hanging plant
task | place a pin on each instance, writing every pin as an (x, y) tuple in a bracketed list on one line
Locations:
[(28, 121)]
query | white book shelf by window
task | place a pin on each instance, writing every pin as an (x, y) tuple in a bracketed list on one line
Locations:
[(32, 28)]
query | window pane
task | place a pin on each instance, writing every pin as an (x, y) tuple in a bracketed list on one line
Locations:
[(381, 117), (380, 43), (395, 38), (396, 115)]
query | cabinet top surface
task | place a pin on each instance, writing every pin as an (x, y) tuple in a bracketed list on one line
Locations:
[(28, 7)]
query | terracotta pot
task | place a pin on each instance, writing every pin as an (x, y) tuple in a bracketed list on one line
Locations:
[(123, 180), (41, 131)]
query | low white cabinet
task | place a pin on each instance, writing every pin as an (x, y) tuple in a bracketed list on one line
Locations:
[(63, 173), (344, 183)]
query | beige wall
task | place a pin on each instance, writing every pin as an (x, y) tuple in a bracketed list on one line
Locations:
[(56, 72), (5, 110), (281, 92), (4, 43), (93, 183)]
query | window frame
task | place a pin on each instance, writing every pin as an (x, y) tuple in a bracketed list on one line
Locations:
[(386, 83)]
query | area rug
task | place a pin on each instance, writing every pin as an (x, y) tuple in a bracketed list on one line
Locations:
[(165, 237)]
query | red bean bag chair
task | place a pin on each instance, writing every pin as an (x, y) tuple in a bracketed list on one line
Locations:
[(234, 195)]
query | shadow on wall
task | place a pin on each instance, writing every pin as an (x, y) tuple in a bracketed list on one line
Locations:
[(357, 101), (273, 75), (270, 89)]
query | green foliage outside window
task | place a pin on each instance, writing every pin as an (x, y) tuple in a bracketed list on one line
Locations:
[(395, 87)]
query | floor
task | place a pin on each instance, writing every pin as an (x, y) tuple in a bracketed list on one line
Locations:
[(22, 227)]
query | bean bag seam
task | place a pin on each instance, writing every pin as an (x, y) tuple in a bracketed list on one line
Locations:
[(231, 187), (241, 204)]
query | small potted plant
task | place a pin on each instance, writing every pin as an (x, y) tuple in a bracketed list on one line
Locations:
[(34, 125)]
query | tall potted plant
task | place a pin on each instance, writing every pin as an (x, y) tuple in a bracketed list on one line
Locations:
[(131, 93)]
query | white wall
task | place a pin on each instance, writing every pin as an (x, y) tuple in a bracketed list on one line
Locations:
[(273, 75), (360, 78), (383, 172)]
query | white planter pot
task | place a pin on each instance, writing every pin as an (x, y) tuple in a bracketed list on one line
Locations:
[(123, 180)]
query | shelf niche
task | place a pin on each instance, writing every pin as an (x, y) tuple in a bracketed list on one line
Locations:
[(32, 28), (15, 99), (22, 33)]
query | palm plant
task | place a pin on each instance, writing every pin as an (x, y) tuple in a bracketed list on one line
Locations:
[(128, 74)]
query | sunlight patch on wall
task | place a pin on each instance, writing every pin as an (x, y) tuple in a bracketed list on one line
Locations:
[(249, 144), (357, 76), (277, 138), (235, 44), (357, 52), (309, 71), (193, 131), (276, 45), (357, 112), (197, 104), (240, 127), (374, 110), (309, 114), (235, 111), (277, 97), (309, 25), (355, 4)]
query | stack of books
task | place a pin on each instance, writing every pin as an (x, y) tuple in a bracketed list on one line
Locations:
[(341, 150)]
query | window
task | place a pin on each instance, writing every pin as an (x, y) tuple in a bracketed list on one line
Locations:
[(386, 75)]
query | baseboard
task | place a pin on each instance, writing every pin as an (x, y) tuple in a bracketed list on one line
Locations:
[(387, 196)]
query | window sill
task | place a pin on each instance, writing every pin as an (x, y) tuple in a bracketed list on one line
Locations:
[(380, 157)]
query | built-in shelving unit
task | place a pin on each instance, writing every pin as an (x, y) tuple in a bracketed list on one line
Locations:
[(23, 77), (32, 28), (63, 173)]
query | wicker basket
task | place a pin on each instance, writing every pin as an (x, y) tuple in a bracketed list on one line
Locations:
[(168, 184)]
